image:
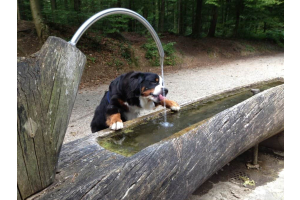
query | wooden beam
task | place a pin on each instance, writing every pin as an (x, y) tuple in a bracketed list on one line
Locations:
[(172, 168)]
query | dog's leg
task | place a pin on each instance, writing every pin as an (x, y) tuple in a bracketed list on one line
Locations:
[(114, 121), (113, 116), (170, 104)]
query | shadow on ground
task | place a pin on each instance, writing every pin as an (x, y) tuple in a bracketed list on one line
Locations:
[(231, 181)]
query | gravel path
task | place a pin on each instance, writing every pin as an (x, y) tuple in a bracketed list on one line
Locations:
[(184, 86)]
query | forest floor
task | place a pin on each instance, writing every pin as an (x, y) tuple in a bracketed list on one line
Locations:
[(204, 67)]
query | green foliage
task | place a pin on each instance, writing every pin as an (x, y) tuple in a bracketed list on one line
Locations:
[(115, 62), (170, 58), (257, 19), (128, 53), (91, 58), (25, 12), (125, 51), (153, 55), (213, 2)]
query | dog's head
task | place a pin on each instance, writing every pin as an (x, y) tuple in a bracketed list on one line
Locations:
[(148, 85)]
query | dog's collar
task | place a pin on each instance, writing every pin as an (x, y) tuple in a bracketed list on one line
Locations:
[(108, 97)]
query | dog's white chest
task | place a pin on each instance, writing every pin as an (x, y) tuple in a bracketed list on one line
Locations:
[(134, 111)]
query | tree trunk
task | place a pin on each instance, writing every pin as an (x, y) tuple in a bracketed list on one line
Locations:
[(119, 4), (179, 19), (265, 26), (131, 21), (175, 18), (18, 12), (196, 32), (162, 16), (53, 5), (154, 10), (47, 86), (66, 4), (222, 11), (213, 23), (184, 18), (53, 8), (174, 167), (77, 8), (239, 8), (77, 5), (40, 26), (146, 9), (226, 17)]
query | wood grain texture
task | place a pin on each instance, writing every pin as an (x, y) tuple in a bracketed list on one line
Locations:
[(47, 86), (172, 168)]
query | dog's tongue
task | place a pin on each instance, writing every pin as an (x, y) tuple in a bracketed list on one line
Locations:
[(161, 97)]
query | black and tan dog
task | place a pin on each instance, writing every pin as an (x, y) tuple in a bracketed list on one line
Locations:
[(129, 94)]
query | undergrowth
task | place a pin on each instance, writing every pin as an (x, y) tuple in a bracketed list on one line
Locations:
[(153, 56)]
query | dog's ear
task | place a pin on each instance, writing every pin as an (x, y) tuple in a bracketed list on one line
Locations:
[(135, 83)]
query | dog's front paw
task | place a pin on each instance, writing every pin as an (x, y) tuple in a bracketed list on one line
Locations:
[(175, 108), (114, 122), (172, 105), (116, 126)]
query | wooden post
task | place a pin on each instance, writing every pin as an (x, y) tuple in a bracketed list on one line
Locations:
[(47, 86)]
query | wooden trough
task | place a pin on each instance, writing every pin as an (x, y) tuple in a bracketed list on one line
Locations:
[(169, 169)]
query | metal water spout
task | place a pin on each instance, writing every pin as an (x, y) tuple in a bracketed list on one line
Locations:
[(113, 11)]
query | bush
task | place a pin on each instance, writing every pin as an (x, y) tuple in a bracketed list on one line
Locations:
[(276, 36), (153, 55)]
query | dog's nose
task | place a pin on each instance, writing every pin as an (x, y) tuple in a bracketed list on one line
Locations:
[(164, 91)]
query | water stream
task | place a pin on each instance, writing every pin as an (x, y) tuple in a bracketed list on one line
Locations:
[(165, 123)]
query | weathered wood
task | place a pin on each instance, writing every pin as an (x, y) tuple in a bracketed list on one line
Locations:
[(19, 195), (172, 168), (47, 86)]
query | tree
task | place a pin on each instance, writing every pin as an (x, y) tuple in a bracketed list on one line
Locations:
[(40, 26), (18, 11), (197, 25), (53, 5), (238, 11), (214, 18), (77, 5), (162, 16), (179, 19), (53, 8)]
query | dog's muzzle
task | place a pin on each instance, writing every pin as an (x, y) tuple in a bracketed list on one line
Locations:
[(163, 92), (161, 96)]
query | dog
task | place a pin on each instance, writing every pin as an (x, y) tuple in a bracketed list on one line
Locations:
[(129, 94)]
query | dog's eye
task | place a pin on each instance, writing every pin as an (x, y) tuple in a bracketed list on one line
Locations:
[(153, 82)]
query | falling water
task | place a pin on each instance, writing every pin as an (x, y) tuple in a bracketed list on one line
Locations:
[(165, 123)]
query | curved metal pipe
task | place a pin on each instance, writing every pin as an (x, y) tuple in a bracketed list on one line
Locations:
[(113, 11)]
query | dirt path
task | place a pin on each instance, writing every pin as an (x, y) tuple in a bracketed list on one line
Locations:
[(184, 85)]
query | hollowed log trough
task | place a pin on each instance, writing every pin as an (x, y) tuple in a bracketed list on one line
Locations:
[(172, 168)]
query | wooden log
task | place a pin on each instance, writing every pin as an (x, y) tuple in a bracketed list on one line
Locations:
[(172, 168), (47, 86)]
